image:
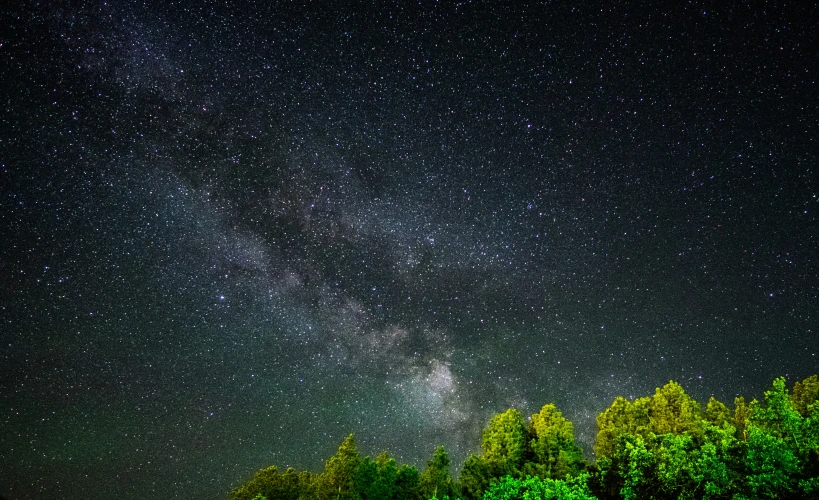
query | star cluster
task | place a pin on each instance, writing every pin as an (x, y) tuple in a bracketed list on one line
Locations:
[(235, 232)]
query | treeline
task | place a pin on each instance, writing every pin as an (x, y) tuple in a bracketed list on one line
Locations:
[(658, 447)]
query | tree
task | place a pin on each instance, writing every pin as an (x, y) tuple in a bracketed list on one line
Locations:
[(339, 477), (382, 479), (368, 484), (804, 394), (551, 442), (716, 463), (770, 465), (477, 475), (688, 470), (622, 417), (406, 483), (511, 488), (777, 415), (269, 483), (634, 466), (663, 446), (673, 411), (716, 413), (504, 440), (782, 446), (435, 481)]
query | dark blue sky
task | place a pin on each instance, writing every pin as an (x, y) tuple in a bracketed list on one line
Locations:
[(235, 233)]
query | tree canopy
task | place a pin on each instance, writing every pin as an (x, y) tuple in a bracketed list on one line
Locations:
[(661, 446)]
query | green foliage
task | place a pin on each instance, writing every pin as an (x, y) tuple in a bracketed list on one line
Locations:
[(686, 470), (530, 488), (435, 480), (657, 447), (686, 456), (671, 465), (770, 464), (663, 447), (804, 394), (622, 417), (783, 445), (477, 475), (551, 442), (672, 411), (716, 413), (635, 465), (382, 478), (338, 482), (669, 411), (777, 416), (406, 483), (546, 449), (269, 483), (504, 440)]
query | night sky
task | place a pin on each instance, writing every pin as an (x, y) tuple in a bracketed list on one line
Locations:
[(233, 234)]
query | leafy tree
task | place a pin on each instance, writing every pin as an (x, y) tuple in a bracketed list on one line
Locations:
[(716, 413), (669, 410), (782, 446), (777, 415), (406, 483), (716, 461), (631, 468), (622, 417), (504, 440), (770, 465), (367, 482), (477, 475), (339, 477), (551, 441), (269, 483), (673, 411), (504, 444), (545, 449), (687, 470), (511, 488), (435, 481), (383, 479), (804, 394)]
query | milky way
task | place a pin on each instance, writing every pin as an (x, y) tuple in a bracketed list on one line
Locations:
[(233, 233)]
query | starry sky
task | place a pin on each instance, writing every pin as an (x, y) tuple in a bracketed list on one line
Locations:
[(234, 233)]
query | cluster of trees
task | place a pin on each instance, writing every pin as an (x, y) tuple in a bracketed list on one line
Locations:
[(662, 446)]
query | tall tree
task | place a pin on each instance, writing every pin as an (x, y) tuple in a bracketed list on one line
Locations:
[(673, 411), (741, 417), (688, 470), (716, 413), (634, 464), (406, 483), (551, 441), (270, 483), (435, 481), (622, 417), (337, 482), (504, 440), (504, 444), (805, 393), (782, 446)]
